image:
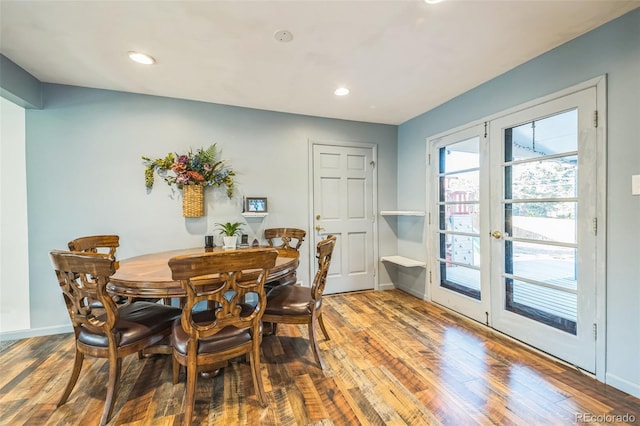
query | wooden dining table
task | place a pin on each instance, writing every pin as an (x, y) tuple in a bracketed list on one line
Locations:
[(149, 275)]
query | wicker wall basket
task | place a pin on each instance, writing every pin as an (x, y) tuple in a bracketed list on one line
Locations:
[(192, 201)]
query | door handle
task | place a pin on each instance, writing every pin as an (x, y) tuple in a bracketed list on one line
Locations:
[(319, 228), (496, 234)]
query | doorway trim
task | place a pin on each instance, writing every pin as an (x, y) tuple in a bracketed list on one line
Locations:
[(311, 220)]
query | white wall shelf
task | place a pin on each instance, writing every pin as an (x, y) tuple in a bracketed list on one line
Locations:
[(253, 214), (403, 261), (401, 213)]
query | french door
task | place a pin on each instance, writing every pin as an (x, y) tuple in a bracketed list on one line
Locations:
[(543, 226), (460, 185), (514, 236)]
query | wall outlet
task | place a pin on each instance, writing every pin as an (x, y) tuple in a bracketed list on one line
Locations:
[(635, 185)]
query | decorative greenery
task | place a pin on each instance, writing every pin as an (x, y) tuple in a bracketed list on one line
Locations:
[(194, 168), (230, 229)]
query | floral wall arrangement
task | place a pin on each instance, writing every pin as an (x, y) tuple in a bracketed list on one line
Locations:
[(191, 172), (193, 168)]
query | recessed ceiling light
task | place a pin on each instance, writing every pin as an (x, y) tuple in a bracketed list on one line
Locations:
[(432, 1), (341, 91), (141, 58)]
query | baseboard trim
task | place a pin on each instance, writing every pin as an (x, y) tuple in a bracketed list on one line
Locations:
[(413, 293), (35, 332), (386, 286), (623, 384)]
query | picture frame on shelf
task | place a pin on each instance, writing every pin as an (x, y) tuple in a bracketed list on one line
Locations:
[(255, 204)]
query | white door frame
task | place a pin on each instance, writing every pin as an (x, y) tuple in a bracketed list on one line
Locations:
[(311, 219)]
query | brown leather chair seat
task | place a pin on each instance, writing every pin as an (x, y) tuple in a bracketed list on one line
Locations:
[(135, 322), (226, 338), (290, 300)]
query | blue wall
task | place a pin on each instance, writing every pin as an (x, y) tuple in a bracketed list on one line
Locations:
[(614, 50), (85, 175)]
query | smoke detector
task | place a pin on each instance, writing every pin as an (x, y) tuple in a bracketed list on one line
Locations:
[(283, 36)]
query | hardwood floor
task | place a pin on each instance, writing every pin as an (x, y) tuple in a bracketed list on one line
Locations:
[(393, 359)]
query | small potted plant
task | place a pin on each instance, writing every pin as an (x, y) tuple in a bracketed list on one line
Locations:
[(230, 232)]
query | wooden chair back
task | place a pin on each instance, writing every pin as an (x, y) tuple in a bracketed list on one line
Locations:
[(96, 244), (285, 238), (223, 280), (324, 253), (83, 279)]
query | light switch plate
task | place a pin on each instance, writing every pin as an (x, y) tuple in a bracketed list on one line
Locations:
[(635, 185)]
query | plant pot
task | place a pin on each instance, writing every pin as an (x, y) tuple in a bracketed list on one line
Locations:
[(230, 243)]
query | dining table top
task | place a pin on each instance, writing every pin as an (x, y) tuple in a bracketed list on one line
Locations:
[(149, 275)]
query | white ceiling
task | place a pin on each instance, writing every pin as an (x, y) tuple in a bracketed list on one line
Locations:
[(400, 58)]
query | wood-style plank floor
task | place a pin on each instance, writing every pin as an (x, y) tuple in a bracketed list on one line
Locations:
[(393, 359)]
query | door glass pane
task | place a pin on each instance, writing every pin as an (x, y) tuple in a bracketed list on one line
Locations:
[(544, 221), (459, 221), (460, 279), (549, 306), (462, 249), (557, 177), (545, 263), (552, 135), (540, 279), (460, 156), (461, 187), (461, 218)]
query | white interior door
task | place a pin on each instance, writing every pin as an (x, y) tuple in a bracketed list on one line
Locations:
[(343, 205)]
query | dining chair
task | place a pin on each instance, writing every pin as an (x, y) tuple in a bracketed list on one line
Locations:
[(96, 244), (202, 339), (295, 304), (102, 328), (107, 244), (285, 238), (288, 242)]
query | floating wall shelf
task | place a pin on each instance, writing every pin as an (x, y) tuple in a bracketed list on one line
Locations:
[(401, 213), (403, 261), (254, 214)]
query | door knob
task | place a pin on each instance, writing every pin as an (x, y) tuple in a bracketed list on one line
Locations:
[(496, 234), (319, 228)]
